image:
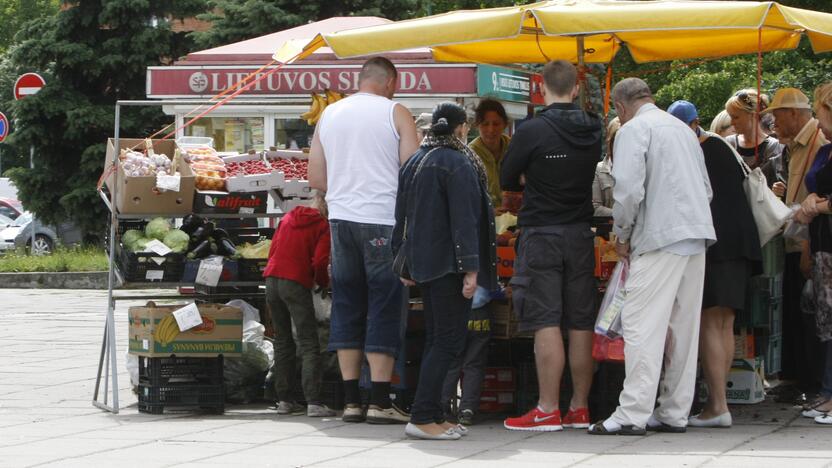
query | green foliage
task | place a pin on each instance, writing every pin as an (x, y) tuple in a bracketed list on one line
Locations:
[(236, 20), (91, 53), (15, 13), (63, 259)]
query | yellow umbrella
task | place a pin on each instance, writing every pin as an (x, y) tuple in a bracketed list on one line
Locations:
[(586, 31)]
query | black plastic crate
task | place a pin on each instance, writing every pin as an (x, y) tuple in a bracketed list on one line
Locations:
[(162, 371), (251, 269), (140, 266), (206, 397)]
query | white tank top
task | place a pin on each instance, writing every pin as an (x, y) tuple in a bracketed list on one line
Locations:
[(361, 146)]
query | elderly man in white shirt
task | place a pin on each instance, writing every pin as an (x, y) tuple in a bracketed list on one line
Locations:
[(662, 219)]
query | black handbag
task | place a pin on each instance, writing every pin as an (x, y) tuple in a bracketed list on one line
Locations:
[(400, 260)]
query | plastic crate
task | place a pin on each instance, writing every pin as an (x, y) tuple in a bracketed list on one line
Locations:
[(140, 266), (155, 399), (771, 348), (229, 271), (774, 256), (165, 371), (251, 269)]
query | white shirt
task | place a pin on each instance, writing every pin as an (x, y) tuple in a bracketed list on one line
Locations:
[(361, 146)]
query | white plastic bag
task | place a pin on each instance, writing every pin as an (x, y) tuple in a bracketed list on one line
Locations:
[(609, 315), (249, 311)]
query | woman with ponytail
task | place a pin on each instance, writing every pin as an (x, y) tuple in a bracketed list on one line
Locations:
[(444, 243)]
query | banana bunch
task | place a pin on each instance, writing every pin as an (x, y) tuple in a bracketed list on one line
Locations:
[(319, 103), (167, 331)]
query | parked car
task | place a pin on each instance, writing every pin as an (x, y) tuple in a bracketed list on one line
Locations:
[(5, 222), (18, 235), (10, 207)]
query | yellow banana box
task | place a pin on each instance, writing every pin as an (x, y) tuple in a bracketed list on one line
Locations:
[(151, 335)]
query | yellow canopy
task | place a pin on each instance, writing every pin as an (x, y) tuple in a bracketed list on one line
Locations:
[(557, 29)]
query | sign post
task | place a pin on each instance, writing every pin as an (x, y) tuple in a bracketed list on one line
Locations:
[(28, 84)]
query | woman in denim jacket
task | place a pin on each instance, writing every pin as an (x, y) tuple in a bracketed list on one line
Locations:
[(445, 234)]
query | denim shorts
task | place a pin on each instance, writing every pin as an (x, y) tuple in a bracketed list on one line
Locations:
[(367, 297)]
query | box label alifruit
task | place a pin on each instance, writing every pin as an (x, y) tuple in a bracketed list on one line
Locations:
[(153, 331)]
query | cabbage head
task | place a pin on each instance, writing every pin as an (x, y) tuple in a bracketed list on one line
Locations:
[(130, 237), (140, 244), (157, 228), (177, 240)]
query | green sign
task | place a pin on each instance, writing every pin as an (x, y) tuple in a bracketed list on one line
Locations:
[(503, 83)]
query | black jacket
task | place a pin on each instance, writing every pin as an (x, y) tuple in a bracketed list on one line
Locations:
[(736, 231), (448, 217), (557, 151)]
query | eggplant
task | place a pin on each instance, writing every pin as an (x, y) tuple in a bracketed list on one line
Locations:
[(200, 251), (190, 223), (219, 234), (202, 233), (226, 248)]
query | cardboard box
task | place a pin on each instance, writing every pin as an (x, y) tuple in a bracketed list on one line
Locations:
[(496, 402), (221, 332), (253, 182), (138, 195), (499, 378), (745, 382), (212, 202), (744, 344), (505, 261)]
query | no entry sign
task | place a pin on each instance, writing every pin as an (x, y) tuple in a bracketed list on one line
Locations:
[(28, 84), (4, 127)]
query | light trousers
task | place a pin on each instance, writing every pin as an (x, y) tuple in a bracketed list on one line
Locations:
[(660, 319)]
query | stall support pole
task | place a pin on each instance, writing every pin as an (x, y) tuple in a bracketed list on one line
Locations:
[(581, 72), (108, 359)]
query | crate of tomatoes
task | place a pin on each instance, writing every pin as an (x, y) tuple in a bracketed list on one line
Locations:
[(295, 168), (251, 173)]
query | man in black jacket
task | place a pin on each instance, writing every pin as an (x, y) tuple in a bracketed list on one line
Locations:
[(553, 285)]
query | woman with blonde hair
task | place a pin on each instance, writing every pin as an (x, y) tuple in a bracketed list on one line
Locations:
[(721, 125), (603, 184), (751, 141), (815, 211)]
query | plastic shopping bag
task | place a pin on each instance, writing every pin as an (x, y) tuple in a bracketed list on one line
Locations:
[(607, 349), (609, 316)]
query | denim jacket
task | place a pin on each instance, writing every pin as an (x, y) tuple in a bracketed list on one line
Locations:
[(444, 218)]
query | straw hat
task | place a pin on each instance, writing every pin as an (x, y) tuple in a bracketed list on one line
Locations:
[(789, 98)]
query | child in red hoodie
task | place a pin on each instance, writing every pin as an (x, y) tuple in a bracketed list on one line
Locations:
[(298, 259)]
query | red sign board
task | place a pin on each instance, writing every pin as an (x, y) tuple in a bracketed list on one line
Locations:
[(198, 81), (4, 127), (536, 90), (28, 84)]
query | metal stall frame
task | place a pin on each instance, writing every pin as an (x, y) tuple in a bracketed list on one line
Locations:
[(108, 363)]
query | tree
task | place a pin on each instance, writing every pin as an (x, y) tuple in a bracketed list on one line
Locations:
[(91, 53), (15, 13), (237, 20)]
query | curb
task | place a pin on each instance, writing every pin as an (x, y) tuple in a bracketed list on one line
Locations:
[(50, 280)]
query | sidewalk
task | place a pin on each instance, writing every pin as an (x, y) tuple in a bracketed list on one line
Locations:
[(49, 347)]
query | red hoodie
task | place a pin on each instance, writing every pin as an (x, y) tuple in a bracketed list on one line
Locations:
[(300, 248)]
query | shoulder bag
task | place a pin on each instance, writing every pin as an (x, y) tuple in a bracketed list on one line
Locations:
[(770, 213), (400, 260)]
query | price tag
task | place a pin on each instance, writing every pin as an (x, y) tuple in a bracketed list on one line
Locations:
[(168, 183), (157, 247), (157, 260), (187, 317), (145, 344), (154, 275), (209, 272), (246, 210)]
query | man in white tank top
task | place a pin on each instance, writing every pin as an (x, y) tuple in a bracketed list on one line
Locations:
[(358, 147)]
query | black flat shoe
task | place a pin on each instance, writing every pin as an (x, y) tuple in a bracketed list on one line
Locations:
[(599, 429), (662, 427)]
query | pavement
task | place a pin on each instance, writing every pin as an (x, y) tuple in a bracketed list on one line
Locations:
[(49, 347)]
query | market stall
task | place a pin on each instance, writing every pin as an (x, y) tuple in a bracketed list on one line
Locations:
[(423, 83)]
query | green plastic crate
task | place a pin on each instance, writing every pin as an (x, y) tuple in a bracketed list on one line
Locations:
[(774, 257), (771, 348)]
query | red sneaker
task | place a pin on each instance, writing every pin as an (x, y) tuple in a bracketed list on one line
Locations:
[(577, 418), (535, 420)]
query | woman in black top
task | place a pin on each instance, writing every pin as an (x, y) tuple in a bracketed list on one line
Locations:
[(729, 264), (752, 142), (445, 235), (816, 212)]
